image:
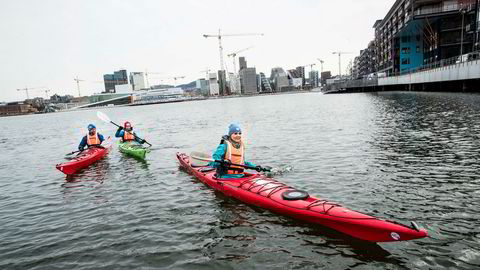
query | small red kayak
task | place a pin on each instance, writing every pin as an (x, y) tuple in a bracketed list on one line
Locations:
[(264, 192), (84, 159)]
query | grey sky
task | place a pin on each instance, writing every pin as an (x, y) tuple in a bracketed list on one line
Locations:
[(49, 42)]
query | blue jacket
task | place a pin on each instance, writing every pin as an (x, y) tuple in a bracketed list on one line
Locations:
[(121, 132), (219, 154), (83, 143)]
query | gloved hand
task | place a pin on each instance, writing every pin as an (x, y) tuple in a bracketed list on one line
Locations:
[(227, 163), (120, 128), (267, 168), (259, 168), (142, 141)]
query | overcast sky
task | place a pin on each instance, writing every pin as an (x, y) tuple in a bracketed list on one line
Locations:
[(49, 42)]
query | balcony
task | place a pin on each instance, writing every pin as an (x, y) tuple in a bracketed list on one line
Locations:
[(437, 9)]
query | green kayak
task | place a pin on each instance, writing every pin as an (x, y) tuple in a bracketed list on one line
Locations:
[(133, 149)]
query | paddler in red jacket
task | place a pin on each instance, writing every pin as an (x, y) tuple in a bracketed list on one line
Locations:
[(231, 150), (127, 134)]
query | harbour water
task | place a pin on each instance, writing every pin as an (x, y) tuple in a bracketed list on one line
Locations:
[(404, 156)]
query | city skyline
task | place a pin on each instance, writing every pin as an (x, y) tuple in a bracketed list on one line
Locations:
[(49, 43)]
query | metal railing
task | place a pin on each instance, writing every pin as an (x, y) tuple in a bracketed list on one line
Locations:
[(443, 8), (473, 56)]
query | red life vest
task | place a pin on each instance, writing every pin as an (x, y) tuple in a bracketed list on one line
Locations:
[(127, 136), (93, 139), (235, 156)]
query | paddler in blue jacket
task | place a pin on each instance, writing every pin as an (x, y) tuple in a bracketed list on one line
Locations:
[(91, 139), (232, 151), (127, 134)]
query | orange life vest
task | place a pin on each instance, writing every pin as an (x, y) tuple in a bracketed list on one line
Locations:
[(127, 136), (235, 156), (93, 139)]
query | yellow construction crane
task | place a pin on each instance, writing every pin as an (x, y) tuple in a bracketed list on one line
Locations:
[(234, 54), (29, 88), (321, 64), (219, 37), (340, 61)]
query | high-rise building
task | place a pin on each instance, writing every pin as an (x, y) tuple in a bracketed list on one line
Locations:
[(109, 81), (265, 84), (313, 78), (279, 79), (212, 82), (248, 80), (234, 83), (324, 76), (242, 63), (222, 83), (117, 78), (202, 85), (301, 73), (138, 80)]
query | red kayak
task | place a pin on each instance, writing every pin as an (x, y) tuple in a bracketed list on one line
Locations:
[(264, 192), (84, 159)]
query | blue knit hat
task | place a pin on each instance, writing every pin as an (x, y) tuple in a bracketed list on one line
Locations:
[(233, 128), (91, 126)]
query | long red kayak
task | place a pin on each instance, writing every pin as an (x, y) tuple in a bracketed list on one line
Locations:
[(84, 159), (264, 192)]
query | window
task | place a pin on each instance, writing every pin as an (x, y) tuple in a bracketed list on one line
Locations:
[(406, 50), (418, 49), (406, 39), (406, 61)]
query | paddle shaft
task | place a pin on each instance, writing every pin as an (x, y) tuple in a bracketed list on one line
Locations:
[(130, 133), (71, 153), (219, 161)]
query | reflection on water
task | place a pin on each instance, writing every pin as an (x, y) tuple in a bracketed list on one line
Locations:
[(403, 156)]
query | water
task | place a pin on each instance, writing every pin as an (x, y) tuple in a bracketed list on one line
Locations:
[(397, 155)]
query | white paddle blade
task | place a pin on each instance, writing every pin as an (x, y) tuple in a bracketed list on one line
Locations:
[(103, 117), (199, 159)]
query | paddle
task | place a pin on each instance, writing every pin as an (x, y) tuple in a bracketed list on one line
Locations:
[(203, 158), (71, 153), (105, 118)]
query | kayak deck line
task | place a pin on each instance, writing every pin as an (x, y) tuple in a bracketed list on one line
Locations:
[(264, 192), (281, 186)]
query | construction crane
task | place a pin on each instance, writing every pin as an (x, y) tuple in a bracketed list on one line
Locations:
[(172, 77), (76, 79), (311, 66), (234, 54), (219, 37), (46, 92), (206, 72), (29, 88), (321, 64), (340, 61), (146, 76), (78, 84)]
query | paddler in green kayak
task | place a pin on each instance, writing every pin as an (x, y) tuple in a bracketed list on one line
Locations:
[(92, 138), (127, 134), (231, 151)]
